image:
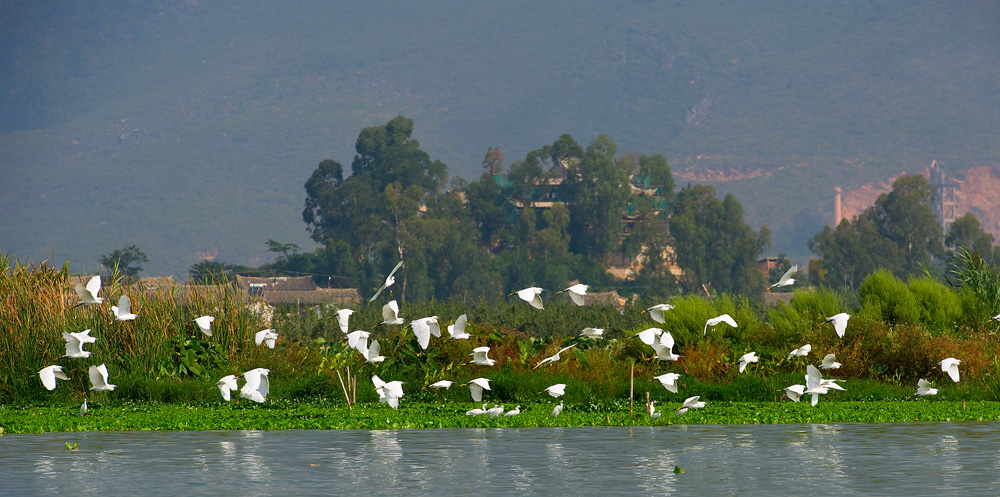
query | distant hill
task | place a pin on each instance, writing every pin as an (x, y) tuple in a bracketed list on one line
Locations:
[(186, 127)]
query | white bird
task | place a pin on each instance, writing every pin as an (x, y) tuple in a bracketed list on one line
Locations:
[(88, 294), (445, 384), (786, 279), (390, 313), (832, 384), (691, 403), (513, 412), (651, 409), (556, 391), (457, 330), (664, 347), (996, 318), (476, 412), (669, 381), (725, 318), (830, 362), (49, 375), (795, 392), (99, 378), (479, 357), (553, 358), (589, 332), (747, 359), (257, 385), (75, 343), (656, 312), (205, 324), (358, 340), (839, 323), (123, 311), (648, 335), (343, 316), (388, 392), (531, 295), (495, 412), (389, 280), (423, 328), (83, 408), (476, 387), (924, 388), (372, 353), (950, 366), (814, 384), (558, 410), (226, 385), (576, 293), (267, 337), (802, 351)]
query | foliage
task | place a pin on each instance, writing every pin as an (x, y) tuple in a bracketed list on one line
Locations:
[(125, 261), (884, 296)]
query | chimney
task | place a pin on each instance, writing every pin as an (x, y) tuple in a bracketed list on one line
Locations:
[(837, 212)]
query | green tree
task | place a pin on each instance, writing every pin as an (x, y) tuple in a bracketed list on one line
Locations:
[(905, 216), (967, 232), (211, 272), (597, 191), (853, 250), (126, 261)]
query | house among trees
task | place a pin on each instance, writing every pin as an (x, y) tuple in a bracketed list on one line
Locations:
[(299, 290)]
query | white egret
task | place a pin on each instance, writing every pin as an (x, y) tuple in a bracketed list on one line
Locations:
[(664, 347), (950, 366), (651, 409), (814, 384), (795, 392), (802, 351), (343, 317), (558, 410), (389, 280), (832, 384), (99, 378), (747, 359), (725, 318), (830, 362), (123, 311), (423, 328), (589, 332), (476, 412), (556, 391), (513, 412), (479, 357), (388, 392), (839, 323), (83, 408), (691, 403), (226, 385), (358, 340), (372, 353), (267, 337), (576, 293), (457, 330), (495, 412), (553, 358), (390, 313), (205, 324), (75, 343), (786, 279), (924, 388), (669, 381), (257, 385), (531, 295), (49, 375), (88, 294), (476, 387), (996, 318), (649, 335), (445, 384), (656, 312)]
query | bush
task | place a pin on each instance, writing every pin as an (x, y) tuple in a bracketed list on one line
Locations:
[(940, 307), (886, 296)]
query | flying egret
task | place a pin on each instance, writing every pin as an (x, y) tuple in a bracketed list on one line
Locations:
[(513, 412), (747, 359), (996, 318), (656, 312), (786, 279), (839, 323), (589, 332), (556, 391), (257, 385), (476, 387), (423, 328), (49, 375), (267, 337), (924, 388), (950, 366), (648, 335), (576, 293), (205, 324), (389, 280), (83, 408), (99, 378), (372, 353), (226, 385), (802, 351), (75, 343), (88, 294), (691, 403), (814, 384), (457, 330), (123, 311), (388, 392), (531, 295), (558, 410), (358, 340), (830, 362), (832, 384), (479, 357), (795, 392), (445, 384), (343, 316), (725, 318), (553, 358), (669, 381), (664, 347), (390, 313)]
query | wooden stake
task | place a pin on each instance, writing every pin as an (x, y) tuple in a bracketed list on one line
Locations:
[(631, 389), (346, 397)]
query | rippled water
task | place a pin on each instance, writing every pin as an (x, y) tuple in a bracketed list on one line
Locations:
[(845, 459)]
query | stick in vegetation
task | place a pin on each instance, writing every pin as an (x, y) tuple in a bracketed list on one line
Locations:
[(346, 397), (631, 389)]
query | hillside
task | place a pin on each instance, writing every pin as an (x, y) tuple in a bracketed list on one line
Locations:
[(186, 127)]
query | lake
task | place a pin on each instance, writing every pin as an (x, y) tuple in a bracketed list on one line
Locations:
[(839, 459)]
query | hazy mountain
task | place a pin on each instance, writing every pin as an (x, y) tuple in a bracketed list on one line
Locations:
[(186, 127)]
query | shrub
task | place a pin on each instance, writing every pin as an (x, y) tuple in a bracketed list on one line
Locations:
[(886, 296), (940, 307)]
